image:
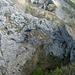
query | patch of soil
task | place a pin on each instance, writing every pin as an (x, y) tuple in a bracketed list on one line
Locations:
[(41, 60)]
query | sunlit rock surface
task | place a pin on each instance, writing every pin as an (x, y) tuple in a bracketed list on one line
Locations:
[(18, 38)]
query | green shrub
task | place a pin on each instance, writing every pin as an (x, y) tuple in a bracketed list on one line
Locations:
[(55, 72), (73, 63), (65, 70), (39, 72)]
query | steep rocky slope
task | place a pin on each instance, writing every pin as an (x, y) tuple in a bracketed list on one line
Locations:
[(64, 11), (21, 33)]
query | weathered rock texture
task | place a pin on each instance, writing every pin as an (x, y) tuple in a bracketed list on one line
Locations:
[(71, 3), (17, 42)]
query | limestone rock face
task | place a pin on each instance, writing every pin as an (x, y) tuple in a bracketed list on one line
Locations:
[(42, 1), (71, 31), (72, 53), (39, 1), (32, 1), (45, 4), (18, 40)]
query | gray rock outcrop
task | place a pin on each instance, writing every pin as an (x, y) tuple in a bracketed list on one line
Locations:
[(17, 42)]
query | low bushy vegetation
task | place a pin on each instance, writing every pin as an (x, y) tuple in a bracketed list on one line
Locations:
[(38, 72), (66, 70)]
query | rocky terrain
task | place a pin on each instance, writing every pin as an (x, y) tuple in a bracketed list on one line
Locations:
[(21, 34)]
